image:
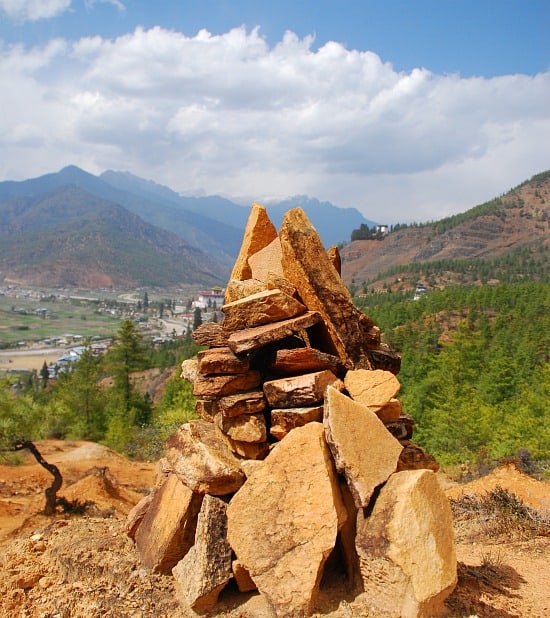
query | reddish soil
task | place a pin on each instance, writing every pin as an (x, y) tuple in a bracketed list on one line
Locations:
[(85, 565)]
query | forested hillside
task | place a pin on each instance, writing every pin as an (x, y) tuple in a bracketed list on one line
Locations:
[(475, 371)]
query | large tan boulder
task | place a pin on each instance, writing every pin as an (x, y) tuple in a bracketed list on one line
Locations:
[(261, 308), (406, 547), (259, 232), (374, 389), (363, 449), (307, 266), (205, 570), (202, 461), (283, 522), (167, 529)]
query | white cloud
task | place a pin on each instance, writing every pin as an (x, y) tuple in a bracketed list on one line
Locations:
[(228, 114), (33, 10)]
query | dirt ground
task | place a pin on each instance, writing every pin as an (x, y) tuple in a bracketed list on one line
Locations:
[(84, 566)]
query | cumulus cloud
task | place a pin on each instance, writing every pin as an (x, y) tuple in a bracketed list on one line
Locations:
[(229, 114), (33, 10)]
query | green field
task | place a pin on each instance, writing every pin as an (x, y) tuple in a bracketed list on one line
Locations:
[(64, 316)]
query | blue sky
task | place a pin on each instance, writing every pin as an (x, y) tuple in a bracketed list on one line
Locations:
[(407, 110)]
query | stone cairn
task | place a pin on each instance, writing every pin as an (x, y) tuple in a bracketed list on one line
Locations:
[(302, 456)]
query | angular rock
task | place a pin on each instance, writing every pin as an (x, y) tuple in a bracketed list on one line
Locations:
[(203, 573), (211, 334), (308, 267), (242, 577), (275, 281), (136, 515), (261, 308), (189, 369), (303, 360), (218, 361), (406, 547), (266, 261), (259, 232), (285, 420), (390, 412), (242, 403), (383, 357), (243, 428), (363, 450), (413, 457), (206, 409), (237, 289), (334, 257), (298, 391), (402, 428), (167, 529), (248, 450), (259, 336), (283, 522), (216, 386), (202, 461), (372, 388)]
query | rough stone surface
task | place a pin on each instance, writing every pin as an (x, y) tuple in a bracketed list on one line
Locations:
[(242, 403), (390, 412), (261, 308), (383, 357), (259, 232), (189, 369), (242, 577), (372, 388), (216, 386), (136, 515), (201, 461), (283, 522), (237, 289), (406, 547), (303, 360), (205, 570), (307, 265), (413, 457), (248, 450), (285, 420), (276, 281), (253, 338), (298, 391), (363, 450), (243, 428), (221, 361), (266, 261), (334, 257), (402, 428), (210, 334), (167, 529), (206, 409)]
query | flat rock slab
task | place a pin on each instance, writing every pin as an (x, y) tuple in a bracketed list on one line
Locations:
[(283, 522), (372, 388), (254, 338), (237, 289), (266, 261), (217, 386), (244, 428), (261, 308), (205, 570), (167, 529), (259, 232), (285, 420), (303, 360), (242, 403), (202, 461), (210, 334), (219, 361), (363, 449), (406, 547), (299, 391)]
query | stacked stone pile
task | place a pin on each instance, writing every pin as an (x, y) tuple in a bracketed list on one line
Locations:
[(302, 454)]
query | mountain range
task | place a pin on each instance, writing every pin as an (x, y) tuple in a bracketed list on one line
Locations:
[(72, 228)]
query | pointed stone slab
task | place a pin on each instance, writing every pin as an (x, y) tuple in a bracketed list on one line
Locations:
[(335, 259), (259, 232), (363, 449), (167, 529), (217, 386), (266, 261), (202, 461), (303, 360), (203, 573), (299, 391), (307, 265), (242, 403), (285, 420), (406, 547), (261, 308), (136, 515), (283, 522), (218, 361), (254, 338), (372, 388)]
